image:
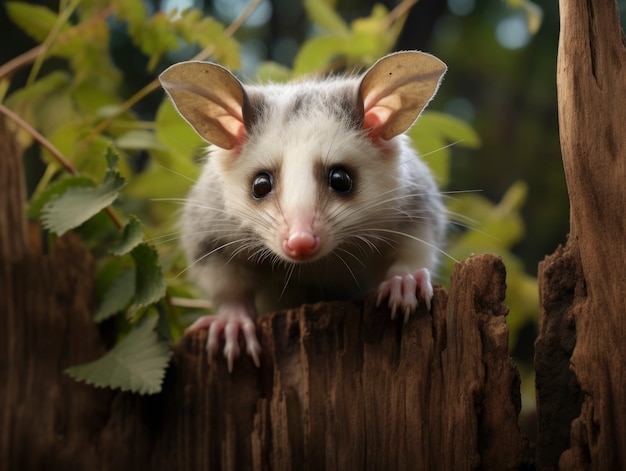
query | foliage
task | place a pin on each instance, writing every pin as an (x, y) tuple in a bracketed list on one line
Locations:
[(82, 109), (137, 363)]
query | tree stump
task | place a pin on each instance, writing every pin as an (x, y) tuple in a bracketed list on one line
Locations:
[(341, 386), (583, 319)]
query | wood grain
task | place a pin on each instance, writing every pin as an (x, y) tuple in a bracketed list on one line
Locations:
[(583, 283), (341, 386)]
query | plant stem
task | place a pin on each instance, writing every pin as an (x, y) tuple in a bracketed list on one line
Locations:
[(30, 56), (65, 163)]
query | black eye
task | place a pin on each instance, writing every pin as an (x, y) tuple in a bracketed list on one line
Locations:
[(261, 185), (339, 180)]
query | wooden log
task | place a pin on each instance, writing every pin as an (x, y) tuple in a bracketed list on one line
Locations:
[(341, 386), (583, 284)]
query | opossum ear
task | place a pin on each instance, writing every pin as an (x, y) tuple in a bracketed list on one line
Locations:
[(396, 89), (210, 98)]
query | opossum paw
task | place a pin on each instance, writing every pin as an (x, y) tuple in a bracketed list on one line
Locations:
[(403, 291), (225, 326)]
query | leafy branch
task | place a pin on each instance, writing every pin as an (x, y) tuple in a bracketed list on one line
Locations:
[(71, 202)]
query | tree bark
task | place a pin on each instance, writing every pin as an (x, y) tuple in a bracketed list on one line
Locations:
[(47, 421), (582, 284), (341, 386)]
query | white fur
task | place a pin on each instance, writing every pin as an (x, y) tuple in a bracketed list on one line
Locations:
[(402, 229)]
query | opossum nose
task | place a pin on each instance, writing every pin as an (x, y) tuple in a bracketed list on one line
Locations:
[(301, 245)]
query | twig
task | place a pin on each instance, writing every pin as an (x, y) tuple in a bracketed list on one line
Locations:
[(28, 57), (17, 119), (63, 16), (399, 11), (66, 164)]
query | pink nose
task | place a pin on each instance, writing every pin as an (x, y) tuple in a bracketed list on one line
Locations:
[(301, 245)]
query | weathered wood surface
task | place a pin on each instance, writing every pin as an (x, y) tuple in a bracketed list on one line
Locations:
[(47, 421), (341, 386), (583, 314)]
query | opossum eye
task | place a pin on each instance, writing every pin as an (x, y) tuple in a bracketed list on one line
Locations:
[(339, 180), (261, 185)]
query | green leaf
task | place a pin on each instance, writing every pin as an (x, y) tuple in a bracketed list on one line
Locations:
[(195, 28), (450, 129), (93, 100), (131, 237), (372, 37), (117, 296), (270, 71), (34, 20), (135, 364), (55, 189), (45, 104), (76, 205), (134, 12), (138, 140), (150, 285), (158, 37), (433, 133), (175, 134), (324, 16), (315, 53)]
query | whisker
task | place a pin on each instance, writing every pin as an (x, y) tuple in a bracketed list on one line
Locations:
[(349, 271), (288, 276), (441, 148), (177, 173), (208, 254), (417, 239), (359, 261)]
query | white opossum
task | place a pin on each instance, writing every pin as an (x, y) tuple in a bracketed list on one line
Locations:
[(311, 192)]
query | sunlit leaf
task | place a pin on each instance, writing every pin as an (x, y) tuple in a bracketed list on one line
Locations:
[(134, 12), (90, 98), (205, 31), (324, 16), (34, 20), (451, 129), (45, 104), (371, 36), (432, 135), (270, 71), (158, 37), (138, 140), (135, 364), (315, 53), (175, 133)]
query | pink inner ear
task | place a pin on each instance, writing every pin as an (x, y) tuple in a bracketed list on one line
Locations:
[(234, 127), (372, 124), (379, 113)]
